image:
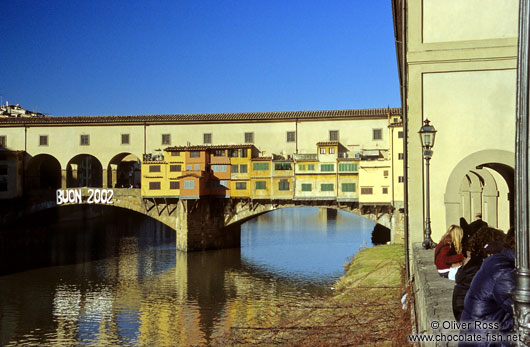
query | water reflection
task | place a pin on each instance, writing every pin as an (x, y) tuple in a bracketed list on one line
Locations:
[(144, 292)]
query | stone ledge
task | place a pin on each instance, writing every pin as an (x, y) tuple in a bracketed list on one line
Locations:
[(432, 295)]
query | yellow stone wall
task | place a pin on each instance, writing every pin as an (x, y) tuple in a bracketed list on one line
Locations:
[(461, 63)]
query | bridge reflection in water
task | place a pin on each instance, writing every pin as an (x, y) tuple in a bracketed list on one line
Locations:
[(126, 283)]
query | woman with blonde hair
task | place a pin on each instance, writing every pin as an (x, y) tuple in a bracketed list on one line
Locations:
[(448, 255)]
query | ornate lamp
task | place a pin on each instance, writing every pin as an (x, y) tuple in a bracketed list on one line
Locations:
[(427, 136)]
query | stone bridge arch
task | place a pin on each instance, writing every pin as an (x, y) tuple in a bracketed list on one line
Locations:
[(241, 211), (84, 170), (122, 171), (43, 171)]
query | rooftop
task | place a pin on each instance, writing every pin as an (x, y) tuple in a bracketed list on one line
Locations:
[(373, 113)]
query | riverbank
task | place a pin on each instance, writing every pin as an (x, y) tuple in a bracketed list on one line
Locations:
[(365, 308)]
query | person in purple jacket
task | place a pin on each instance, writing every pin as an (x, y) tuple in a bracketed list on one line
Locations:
[(488, 304)]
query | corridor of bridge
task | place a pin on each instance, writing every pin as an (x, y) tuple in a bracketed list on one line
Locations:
[(45, 171)]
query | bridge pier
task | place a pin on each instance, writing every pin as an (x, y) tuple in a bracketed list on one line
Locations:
[(200, 225)]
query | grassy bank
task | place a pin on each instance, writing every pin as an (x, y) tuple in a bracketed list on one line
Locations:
[(365, 308)]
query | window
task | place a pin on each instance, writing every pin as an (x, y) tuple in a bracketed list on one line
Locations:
[(174, 168), (401, 156), (197, 167), (219, 153), (219, 168), (195, 154), (124, 139), (385, 173), (154, 185), (189, 184), (301, 167), (233, 153), (207, 138), (43, 140), (322, 150), (401, 179), (154, 168), (249, 137), (327, 167), (260, 185), (234, 169), (166, 139), (347, 167), (244, 153), (326, 187), (282, 166), (332, 150), (367, 190), (223, 183), (3, 186), (385, 190), (291, 136), (174, 185), (3, 170), (175, 154), (348, 187), (241, 185), (3, 141), (283, 185), (260, 166), (85, 140), (310, 167), (189, 167), (377, 134), (400, 134), (306, 187), (243, 168), (333, 135)]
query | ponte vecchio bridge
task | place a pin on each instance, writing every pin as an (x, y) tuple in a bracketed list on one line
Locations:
[(106, 157)]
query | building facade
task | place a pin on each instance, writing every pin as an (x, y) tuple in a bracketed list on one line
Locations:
[(457, 64)]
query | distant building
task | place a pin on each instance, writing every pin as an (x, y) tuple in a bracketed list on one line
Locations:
[(16, 111)]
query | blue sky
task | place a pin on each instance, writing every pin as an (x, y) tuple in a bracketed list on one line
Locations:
[(163, 57)]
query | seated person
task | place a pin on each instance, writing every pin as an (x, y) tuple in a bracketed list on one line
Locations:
[(488, 298), (484, 242), (448, 252)]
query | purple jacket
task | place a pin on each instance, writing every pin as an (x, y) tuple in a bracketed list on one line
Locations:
[(488, 298)]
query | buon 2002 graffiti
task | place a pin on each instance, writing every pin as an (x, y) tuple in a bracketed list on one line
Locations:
[(76, 196)]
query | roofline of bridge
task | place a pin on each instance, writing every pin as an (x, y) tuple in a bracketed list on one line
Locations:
[(372, 113)]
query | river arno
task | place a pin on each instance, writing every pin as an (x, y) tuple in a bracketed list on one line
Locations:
[(119, 279)]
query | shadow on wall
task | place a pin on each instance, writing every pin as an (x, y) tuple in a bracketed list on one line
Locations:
[(380, 235)]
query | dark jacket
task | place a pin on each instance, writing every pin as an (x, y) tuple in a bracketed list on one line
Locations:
[(445, 255), (463, 279), (488, 298)]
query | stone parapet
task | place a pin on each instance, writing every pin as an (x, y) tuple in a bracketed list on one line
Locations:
[(432, 296)]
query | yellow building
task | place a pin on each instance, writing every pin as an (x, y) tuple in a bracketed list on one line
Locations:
[(375, 180), (348, 179), (282, 179), (457, 64), (154, 176), (261, 178), (306, 173), (240, 168)]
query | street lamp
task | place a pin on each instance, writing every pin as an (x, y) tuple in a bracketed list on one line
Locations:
[(427, 135)]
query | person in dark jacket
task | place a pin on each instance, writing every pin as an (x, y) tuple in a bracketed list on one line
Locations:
[(448, 252), (488, 300), (484, 242), (470, 229)]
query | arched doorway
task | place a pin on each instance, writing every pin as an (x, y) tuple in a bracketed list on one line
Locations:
[(124, 171), (483, 182), (43, 172), (84, 170)]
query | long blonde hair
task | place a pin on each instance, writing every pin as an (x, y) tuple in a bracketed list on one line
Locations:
[(454, 235)]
